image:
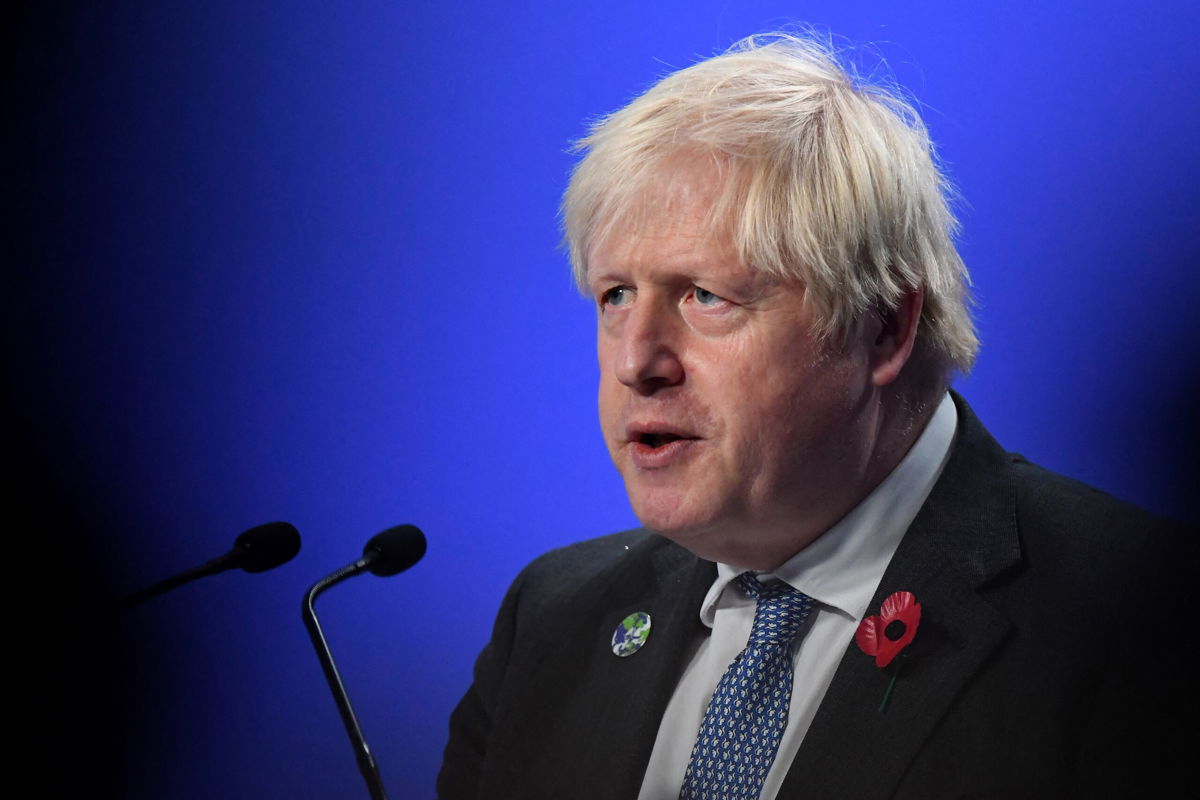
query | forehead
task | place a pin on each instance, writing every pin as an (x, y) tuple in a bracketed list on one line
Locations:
[(676, 219)]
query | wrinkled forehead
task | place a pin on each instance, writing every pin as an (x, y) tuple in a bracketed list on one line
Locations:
[(685, 194)]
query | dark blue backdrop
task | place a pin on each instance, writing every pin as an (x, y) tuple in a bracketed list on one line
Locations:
[(298, 260)]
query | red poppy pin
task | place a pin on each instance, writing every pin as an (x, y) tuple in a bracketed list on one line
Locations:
[(885, 635)]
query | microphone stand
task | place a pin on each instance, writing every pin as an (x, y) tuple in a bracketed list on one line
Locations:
[(218, 564), (362, 753), (258, 549)]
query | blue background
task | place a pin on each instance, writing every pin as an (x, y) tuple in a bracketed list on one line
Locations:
[(299, 261)]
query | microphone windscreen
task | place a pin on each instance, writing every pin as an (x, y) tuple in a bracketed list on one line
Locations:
[(395, 549), (265, 547)]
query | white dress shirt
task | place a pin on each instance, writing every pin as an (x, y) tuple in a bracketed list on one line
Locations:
[(840, 570)]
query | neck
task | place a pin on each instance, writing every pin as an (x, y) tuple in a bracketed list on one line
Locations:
[(895, 421)]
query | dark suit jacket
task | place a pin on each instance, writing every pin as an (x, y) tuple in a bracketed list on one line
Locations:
[(1049, 661)]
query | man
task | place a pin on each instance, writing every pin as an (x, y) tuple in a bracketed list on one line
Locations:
[(780, 311)]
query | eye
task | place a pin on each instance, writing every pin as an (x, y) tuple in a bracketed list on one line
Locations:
[(616, 296), (706, 298)]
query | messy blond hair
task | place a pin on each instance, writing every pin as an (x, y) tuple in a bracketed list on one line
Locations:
[(825, 179)]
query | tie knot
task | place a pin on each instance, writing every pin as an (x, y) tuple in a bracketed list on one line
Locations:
[(779, 612)]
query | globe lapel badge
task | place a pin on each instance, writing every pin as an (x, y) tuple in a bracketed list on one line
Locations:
[(631, 634)]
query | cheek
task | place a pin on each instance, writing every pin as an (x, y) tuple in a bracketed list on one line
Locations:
[(769, 430), (739, 354), (610, 400), (787, 407)]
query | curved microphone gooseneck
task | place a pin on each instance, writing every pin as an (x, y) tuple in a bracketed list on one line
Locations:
[(389, 552)]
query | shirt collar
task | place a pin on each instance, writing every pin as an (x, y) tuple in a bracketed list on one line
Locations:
[(842, 568)]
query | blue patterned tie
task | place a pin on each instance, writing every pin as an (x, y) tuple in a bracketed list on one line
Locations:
[(748, 712)]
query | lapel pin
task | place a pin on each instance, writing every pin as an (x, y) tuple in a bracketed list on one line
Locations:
[(631, 634), (886, 634)]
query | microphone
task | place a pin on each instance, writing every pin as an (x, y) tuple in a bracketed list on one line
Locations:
[(387, 553), (394, 550), (259, 549)]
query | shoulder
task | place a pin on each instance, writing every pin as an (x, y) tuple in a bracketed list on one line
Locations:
[(1050, 499), (579, 569), (1083, 538), (1095, 558), (1023, 526), (590, 556), (1045, 501)]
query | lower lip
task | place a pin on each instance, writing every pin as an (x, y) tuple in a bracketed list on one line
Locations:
[(647, 457)]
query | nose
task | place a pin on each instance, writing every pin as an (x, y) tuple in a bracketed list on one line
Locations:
[(648, 349)]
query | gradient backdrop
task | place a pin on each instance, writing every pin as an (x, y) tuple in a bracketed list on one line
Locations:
[(297, 260)]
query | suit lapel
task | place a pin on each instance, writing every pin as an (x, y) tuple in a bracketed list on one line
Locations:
[(615, 704), (964, 535), (646, 679)]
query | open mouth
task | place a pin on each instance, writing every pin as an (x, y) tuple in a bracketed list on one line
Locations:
[(657, 440)]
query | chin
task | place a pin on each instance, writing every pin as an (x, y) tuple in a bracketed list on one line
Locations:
[(703, 532), (705, 544), (688, 528)]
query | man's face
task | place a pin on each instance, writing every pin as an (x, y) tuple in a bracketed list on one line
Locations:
[(737, 434)]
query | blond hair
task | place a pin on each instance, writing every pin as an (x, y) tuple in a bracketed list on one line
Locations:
[(832, 182)]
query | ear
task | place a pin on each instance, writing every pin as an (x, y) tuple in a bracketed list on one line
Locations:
[(897, 333)]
